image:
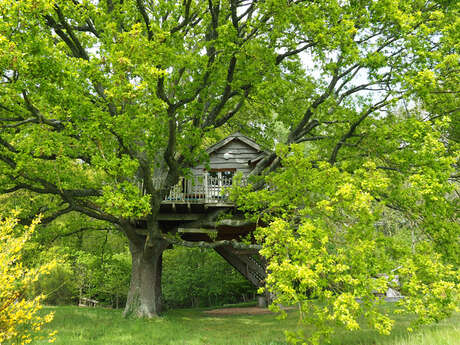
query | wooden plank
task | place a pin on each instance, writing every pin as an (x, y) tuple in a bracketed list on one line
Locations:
[(239, 167), (228, 156), (242, 142), (236, 140), (235, 150), (195, 171), (197, 231), (249, 261), (243, 165), (206, 187), (219, 203), (196, 201), (258, 158), (220, 144), (198, 169), (221, 164), (237, 159)]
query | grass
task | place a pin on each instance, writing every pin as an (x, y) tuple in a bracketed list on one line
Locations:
[(97, 326)]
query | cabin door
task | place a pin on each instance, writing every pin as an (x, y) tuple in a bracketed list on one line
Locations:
[(218, 181)]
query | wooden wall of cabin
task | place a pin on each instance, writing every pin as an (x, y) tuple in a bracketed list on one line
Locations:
[(234, 155)]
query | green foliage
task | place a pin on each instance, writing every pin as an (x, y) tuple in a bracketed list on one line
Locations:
[(93, 262), (58, 287), (196, 277), (324, 243), (84, 273)]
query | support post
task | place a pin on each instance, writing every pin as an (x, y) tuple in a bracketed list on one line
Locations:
[(205, 187)]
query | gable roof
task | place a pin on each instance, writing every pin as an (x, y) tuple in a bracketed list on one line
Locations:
[(230, 138)]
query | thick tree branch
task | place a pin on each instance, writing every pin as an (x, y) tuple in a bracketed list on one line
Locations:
[(39, 116), (48, 219), (226, 95), (79, 231), (355, 125), (161, 94), (11, 163), (188, 18), (281, 57), (145, 16), (6, 144), (224, 119), (76, 43), (315, 138), (304, 126), (94, 212), (49, 188)]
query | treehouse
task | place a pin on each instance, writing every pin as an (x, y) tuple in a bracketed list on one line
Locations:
[(208, 183), (194, 209)]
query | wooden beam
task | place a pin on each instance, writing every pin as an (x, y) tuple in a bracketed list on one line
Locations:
[(219, 204), (196, 231), (211, 232)]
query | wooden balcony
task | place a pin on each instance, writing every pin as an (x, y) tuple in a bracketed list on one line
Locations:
[(203, 189)]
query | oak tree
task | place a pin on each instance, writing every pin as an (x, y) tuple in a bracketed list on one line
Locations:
[(101, 97)]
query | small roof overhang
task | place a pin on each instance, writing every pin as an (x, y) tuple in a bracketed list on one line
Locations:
[(235, 136)]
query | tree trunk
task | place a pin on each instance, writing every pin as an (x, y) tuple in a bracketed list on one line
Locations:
[(144, 295)]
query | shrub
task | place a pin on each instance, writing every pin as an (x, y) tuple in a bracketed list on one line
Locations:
[(19, 317)]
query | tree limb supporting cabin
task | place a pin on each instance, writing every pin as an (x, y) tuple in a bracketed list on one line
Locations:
[(198, 208)]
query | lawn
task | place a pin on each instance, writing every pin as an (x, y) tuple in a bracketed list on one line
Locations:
[(97, 326)]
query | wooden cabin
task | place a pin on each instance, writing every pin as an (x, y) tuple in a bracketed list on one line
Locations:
[(208, 182)]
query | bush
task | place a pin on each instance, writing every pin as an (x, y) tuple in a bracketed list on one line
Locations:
[(19, 317)]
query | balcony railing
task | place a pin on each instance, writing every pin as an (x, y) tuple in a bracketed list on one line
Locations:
[(200, 189)]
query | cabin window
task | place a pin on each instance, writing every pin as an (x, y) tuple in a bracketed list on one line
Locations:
[(227, 174)]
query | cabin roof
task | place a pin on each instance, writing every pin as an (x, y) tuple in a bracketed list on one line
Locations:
[(230, 138)]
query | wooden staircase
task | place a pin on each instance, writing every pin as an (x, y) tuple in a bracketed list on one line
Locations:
[(248, 262)]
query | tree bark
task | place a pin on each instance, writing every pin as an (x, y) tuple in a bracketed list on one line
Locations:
[(145, 295)]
